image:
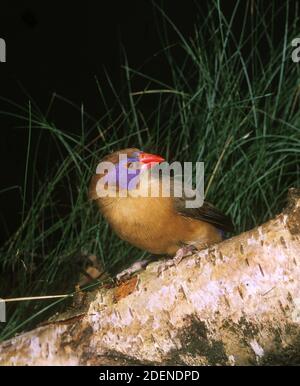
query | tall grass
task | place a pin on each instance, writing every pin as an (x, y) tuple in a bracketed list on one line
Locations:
[(227, 97)]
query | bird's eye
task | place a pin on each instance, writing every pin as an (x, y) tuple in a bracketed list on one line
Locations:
[(130, 165)]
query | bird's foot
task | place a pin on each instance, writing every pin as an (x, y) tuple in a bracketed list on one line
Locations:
[(180, 254), (137, 266)]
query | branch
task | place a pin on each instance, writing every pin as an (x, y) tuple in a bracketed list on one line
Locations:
[(235, 303)]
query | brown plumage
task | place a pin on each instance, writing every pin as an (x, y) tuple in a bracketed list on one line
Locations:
[(159, 225)]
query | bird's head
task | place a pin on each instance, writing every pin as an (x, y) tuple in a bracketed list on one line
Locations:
[(122, 169)]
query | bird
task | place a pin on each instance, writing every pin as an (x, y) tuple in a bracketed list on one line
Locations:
[(159, 225)]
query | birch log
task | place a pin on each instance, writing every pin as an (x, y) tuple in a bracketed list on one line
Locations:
[(237, 303)]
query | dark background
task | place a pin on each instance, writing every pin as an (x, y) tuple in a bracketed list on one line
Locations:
[(60, 47)]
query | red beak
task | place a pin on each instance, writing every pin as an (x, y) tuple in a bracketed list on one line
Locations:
[(150, 159)]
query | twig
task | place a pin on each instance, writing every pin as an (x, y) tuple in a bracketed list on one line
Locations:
[(35, 298)]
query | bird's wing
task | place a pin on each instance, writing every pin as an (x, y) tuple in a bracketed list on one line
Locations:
[(207, 212)]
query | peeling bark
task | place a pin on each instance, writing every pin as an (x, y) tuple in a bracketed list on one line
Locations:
[(237, 303)]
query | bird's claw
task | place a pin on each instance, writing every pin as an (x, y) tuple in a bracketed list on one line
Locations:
[(180, 254), (127, 273), (166, 265)]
